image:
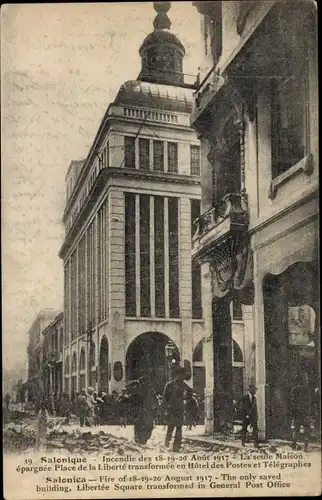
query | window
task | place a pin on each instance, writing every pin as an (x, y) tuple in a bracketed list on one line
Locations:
[(172, 157), (194, 160), (288, 122), (129, 152), (158, 156), (144, 154), (237, 309)]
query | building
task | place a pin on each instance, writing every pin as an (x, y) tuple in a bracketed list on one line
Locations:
[(129, 308), (53, 344), (35, 352), (255, 112)]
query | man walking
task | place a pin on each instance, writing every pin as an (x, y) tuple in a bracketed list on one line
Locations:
[(173, 400), (249, 414), (300, 410)]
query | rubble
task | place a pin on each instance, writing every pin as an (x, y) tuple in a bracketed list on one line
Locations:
[(18, 437)]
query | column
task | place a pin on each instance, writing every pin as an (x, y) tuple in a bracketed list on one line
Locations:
[(152, 262), (208, 347), (249, 345), (165, 153), (259, 328), (185, 281), (137, 255), (166, 257), (151, 154), (116, 244), (137, 153), (206, 178)]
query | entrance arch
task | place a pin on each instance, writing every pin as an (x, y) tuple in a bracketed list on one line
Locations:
[(103, 365), (198, 366), (152, 354)]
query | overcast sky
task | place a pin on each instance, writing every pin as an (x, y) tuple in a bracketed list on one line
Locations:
[(61, 66)]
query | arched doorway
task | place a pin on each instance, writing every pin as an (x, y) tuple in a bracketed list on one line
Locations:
[(103, 365), (152, 354), (199, 376), (292, 339), (74, 374), (238, 372), (91, 365), (82, 379), (66, 374)]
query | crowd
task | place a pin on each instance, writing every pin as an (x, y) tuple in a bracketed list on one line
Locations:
[(122, 408)]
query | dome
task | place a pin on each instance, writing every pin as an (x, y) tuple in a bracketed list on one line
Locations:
[(162, 52), (161, 37), (155, 96)]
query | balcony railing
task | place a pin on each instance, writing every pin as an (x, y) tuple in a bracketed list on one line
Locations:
[(233, 205)]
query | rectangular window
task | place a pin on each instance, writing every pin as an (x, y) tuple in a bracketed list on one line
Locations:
[(195, 160), (130, 268), (237, 309), (289, 128), (158, 156), (159, 256), (67, 301), (145, 255), (174, 308), (195, 267), (144, 154), (173, 157), (81, 285), (129, 152), (74, 295)]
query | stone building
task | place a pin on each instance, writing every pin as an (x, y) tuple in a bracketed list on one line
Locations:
[(129, 307), (255, 112), (53, 356), (35, 352)]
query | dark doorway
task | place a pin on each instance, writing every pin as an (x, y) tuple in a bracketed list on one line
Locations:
[(292, 340), (146, 355), (103, 364)]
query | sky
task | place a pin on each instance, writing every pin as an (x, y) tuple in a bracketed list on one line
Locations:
[(61, 65)]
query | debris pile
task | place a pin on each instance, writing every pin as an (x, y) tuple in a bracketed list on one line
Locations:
[(88, 442), (18, 437)]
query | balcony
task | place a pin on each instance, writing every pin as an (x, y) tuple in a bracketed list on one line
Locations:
[(228, 216)]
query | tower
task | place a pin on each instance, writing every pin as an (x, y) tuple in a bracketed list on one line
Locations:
[(162, 52)]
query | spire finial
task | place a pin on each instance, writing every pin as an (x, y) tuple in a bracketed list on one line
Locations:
[(161, 21)]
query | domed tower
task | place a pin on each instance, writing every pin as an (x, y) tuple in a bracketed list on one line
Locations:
[(162, 52)]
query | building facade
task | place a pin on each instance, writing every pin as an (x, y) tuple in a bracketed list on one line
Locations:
[(53, 356), (129, 308), (35, 352), (255, 112)]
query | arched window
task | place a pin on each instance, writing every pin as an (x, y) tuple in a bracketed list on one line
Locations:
[(82, 359), (74, 363), (198, 352), (66, 364), (237, 353)]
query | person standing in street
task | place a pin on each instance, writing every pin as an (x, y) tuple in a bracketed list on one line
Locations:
[(82, 405), (7, 401), (173, 401), (300, 410), (250, 415)]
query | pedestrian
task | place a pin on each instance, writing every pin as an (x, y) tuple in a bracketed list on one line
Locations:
[(7, 399), (191, 410), (82, 407), (65, 407), (249, 415), (143, 404), (300, 410), (173, 402), (122, 406), (91, 406)]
